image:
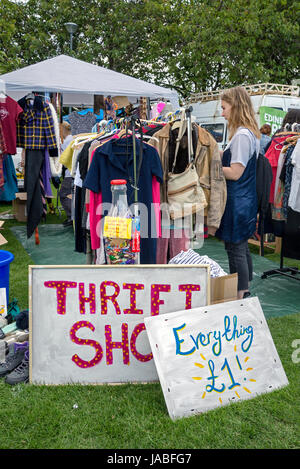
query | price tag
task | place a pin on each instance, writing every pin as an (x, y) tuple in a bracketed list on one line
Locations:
[(116, 227)]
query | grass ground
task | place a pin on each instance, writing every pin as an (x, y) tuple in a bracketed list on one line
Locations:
[(135, 416)]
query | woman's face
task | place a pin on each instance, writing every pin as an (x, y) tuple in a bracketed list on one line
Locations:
[(226, 109)]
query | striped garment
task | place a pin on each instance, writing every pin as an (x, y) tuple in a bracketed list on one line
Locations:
[(35, 128), (191, 257)]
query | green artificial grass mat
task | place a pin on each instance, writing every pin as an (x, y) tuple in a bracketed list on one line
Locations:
[(134, 416)]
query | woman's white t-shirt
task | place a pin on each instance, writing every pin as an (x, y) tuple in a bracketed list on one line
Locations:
[(242, 146)]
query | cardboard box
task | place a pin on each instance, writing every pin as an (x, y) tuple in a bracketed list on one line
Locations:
[(2, 239), (223, 289), (19, 206)]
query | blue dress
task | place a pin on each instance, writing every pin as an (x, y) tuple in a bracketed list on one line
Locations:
[(239, 219)]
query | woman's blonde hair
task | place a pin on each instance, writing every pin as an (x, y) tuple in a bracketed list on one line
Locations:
[(242, 112)]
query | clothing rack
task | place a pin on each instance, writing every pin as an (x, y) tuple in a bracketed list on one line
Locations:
[(290, 272)]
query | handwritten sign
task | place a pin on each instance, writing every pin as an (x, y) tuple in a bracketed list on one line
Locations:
[(213, 356), (87, 322), (116, 227)]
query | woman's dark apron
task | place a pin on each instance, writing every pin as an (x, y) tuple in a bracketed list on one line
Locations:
[(239, 219)]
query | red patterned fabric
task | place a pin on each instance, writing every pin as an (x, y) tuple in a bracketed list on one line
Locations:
[(2, 152)]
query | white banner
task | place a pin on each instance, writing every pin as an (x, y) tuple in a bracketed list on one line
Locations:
[(212, 356), (87, 322)]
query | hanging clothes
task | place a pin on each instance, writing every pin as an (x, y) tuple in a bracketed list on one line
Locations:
[(264, 177), (287, 191), (294, 198), (291, 235), (55, 165), (110, 108), (2, 152), (283, 181), (10, 112), (2, 140), (272, 154), (111, 161), (82, 123), (35, 128), (35, 133), (209, 167), (10, 186), (9, 115)]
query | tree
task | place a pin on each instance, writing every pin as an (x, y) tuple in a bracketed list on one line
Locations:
[(9, 47), (191, 45)]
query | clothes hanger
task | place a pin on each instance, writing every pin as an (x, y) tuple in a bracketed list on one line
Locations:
[(30, 96), (295, 127)]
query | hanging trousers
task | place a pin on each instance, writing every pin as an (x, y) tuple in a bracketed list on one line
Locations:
[(32, 184), (170, 244), (240, 261)]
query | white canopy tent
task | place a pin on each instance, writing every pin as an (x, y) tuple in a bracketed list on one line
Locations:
[(79, 81)]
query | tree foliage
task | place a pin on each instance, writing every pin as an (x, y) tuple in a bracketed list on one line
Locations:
[(189, 45)]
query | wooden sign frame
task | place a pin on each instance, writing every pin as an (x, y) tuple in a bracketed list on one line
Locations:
[(76, 323)]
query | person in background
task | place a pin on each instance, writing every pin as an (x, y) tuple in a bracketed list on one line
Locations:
[(291, 117), (238, 223), (265, 131), (65, 192)]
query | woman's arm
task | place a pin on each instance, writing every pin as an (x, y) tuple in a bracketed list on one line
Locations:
[(234, 171)]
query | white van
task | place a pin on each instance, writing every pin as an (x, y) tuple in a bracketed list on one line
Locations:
[(270, 102)]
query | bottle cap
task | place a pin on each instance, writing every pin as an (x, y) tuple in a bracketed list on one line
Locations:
[(118, 182)]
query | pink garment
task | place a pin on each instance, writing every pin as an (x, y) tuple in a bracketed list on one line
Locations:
[(95, 219), (156, 202), (174, 240)]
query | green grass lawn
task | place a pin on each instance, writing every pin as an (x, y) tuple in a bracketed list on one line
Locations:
[(135, 416)]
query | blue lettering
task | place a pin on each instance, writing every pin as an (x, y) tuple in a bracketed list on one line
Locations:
[(180, 341), (249, 339), (218, 343), (227, 328), (212, 378)]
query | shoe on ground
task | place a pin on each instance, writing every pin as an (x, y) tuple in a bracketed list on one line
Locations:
[(16, 352), (68, 223), (21, 373), (247, 294)]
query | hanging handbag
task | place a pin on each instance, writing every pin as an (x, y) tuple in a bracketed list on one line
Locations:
[(185, 194)]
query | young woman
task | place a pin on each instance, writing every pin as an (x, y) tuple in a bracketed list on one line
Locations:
[(239, 165)]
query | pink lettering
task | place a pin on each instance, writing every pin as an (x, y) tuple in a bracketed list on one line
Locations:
[(61, 292)]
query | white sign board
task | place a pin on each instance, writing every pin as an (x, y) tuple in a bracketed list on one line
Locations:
[(212, 356), (3, 303), (87, 322)]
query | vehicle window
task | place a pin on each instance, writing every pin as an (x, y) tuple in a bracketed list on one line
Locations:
[(216, 130)]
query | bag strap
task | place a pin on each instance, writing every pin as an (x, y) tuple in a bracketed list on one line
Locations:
[(141, 150), (182, 129)]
